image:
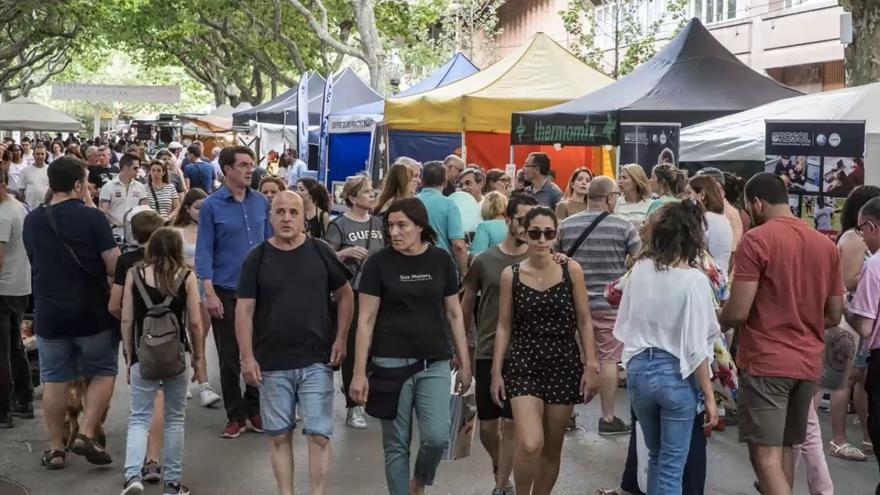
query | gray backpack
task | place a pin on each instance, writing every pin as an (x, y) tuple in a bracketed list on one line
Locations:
[(160, 350)]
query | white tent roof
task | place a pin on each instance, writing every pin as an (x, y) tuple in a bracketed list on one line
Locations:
[(740, 137), (24, 114)]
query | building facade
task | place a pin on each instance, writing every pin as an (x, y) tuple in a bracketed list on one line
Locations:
[(797, 42)]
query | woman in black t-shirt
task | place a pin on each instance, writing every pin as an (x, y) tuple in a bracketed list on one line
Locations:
[(163, 274), (408, 304), (316, 204)]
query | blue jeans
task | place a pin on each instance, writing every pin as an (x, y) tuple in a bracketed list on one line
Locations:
[(65, 359), (310, 387), (428, 394), (143, 392), (665, 405)]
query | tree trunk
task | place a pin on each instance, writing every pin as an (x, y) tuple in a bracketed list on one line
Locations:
[(863, 54), (258, 87), (371, 42)]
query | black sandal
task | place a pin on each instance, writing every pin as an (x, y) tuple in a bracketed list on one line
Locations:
[(49, 457), (88, 448)]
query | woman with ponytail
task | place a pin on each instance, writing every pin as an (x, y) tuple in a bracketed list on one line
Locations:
[(668, 183)]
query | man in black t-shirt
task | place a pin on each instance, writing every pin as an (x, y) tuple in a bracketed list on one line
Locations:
[(287, 344)]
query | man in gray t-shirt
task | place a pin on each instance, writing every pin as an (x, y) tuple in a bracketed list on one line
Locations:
[(15, 287), (603, 256)]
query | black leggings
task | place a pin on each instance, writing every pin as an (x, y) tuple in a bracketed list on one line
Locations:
[(694, 478)]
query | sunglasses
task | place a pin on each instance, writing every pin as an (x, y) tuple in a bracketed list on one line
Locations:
[(860, 227), (535, 234)]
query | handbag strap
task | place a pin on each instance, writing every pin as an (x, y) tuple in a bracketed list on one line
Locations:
[(155, 196), (53, 224), (586, 233)]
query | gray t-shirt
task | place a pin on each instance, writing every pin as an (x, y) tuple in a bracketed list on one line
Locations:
[(603, 254), (343, 232), (15, 278)]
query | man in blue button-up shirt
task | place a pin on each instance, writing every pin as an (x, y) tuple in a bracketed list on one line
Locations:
[(232, 221)]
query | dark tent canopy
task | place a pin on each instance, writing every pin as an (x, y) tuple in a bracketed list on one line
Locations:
[(691, 80), (272, 111)]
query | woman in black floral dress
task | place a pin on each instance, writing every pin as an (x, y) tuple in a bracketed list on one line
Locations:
[(551, 364)]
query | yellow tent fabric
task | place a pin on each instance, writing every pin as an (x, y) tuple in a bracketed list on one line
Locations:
[(538, 74)]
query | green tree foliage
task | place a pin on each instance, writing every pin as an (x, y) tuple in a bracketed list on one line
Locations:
[(863, 54)]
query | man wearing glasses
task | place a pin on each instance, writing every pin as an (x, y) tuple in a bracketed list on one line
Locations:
[(232, 221), (454, 166), (537, 173), (602, 256)]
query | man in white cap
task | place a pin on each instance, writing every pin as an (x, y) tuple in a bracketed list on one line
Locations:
[(175, 148)]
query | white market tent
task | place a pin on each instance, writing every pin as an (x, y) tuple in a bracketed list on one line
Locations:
[(740, 137), (24, 114)]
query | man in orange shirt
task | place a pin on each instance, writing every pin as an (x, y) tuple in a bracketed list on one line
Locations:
[(786, 290)]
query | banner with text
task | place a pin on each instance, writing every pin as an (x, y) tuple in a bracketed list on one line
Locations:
[(649, 143), (302, 117), (110, 93)]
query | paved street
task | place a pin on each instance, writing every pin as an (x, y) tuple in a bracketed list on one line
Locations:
[(213, 466)]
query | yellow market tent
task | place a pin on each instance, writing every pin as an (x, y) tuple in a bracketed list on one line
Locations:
[(538, 74)]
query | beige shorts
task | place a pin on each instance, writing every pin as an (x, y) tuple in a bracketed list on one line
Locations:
[(608, 349)]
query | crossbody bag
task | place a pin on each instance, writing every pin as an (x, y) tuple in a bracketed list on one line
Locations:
[(53, 224)]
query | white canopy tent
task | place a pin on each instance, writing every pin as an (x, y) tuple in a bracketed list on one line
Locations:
[(740, 137), (24, 114)]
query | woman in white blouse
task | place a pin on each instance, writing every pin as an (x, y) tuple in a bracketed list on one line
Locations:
[(719, 234), (667, 324)]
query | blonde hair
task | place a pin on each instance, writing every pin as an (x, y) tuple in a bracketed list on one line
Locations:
[(354, 186), (494, 205), (640, 180)]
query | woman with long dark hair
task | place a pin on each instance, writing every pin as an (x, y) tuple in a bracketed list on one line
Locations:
[(667, 324), (187, 223), (408, 308), (397, 186), (551, 362), (853, 253), (162, 275), (316, 206), (162, 196)]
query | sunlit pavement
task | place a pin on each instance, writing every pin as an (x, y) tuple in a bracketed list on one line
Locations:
[(214, 466)]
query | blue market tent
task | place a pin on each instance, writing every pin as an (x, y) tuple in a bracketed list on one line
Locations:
[(351, 128)]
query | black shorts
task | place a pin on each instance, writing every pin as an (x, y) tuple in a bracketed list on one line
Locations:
[(487, 409)]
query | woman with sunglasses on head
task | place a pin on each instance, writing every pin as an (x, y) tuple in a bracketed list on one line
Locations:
[(575, 194), (497, 180), (667, 323), (551, 364)]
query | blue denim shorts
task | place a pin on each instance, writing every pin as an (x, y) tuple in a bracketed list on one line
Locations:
[(310, 388), (63, 360)]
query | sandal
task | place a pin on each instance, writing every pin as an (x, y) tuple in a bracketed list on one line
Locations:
[(846, 452), (88, 448), (867, 448), (54, 460)]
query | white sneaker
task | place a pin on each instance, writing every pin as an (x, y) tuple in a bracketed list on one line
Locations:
[(355, 418), (208, 397), (189, 394)]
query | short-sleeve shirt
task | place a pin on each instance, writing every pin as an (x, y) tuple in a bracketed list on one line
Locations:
[(603, 254), (101, 176), (67, 301), (15, 277), (165, 196), (548, 195), (292, 328), (343, 232), (444, 217), (122, 198), (484, 276), (411, 321), (124, 262), (866, 301), (797, 270), (200, 175), (35, 182)]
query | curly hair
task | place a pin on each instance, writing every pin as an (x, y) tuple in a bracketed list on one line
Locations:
[(317, 191), (675, 233)]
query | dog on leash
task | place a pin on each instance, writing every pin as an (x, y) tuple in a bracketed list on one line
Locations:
[(76, 404)]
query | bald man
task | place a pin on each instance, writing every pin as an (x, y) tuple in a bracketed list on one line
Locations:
[(602, 254), (454, 166), (290, 349)]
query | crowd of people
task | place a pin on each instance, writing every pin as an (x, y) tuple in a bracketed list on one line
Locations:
[(548, 298)]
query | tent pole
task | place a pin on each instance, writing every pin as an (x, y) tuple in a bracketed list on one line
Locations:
[(463, 148), (511, 154)]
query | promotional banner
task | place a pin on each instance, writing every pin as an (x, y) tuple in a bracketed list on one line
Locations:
[(112, 93), (302, 118), (821, 162), (593, 130), (324, 145), (649, 143)]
